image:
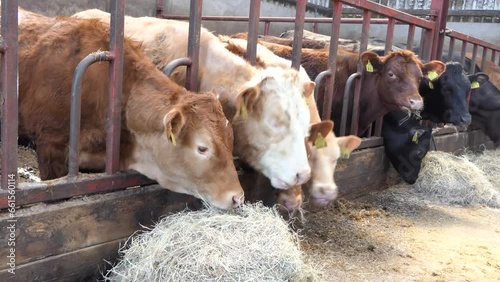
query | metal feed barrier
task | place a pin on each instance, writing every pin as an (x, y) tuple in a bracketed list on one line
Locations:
[(433, 35)]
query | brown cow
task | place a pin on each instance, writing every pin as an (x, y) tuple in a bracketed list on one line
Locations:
[(392, 85), (265, 106), (178, 138), (306, 43)]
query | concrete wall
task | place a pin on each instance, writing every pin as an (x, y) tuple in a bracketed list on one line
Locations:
[(485, 31)]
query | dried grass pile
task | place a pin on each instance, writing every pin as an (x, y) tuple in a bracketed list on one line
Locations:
[(252, 243), (460, 180)]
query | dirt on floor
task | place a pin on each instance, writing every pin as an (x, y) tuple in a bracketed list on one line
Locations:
[(27, 164), (399, 235)]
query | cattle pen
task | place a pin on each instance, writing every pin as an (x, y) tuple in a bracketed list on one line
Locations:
[(66, 229)]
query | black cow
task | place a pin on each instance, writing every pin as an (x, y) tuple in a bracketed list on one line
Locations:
[(485, 107), (445, 98), (406, 143)]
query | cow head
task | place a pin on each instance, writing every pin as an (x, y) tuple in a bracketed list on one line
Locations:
[(398, 75), (484, 94), (324, 156), (188, 149), (290, 199), (445, 97), (406, 143), (272, 121)]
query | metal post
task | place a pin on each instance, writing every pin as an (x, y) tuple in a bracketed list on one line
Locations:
[(159, 8), (10, 93), (194, 44), (462, 53), (113, 123), (253, 31), (440, 10), (473, 59), (483, 57), (450, 49), (298, 33), (411, 36), (76, 109)]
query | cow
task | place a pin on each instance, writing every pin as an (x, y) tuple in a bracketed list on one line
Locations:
[(265, 106), (406, 142), (306, 43), (322, 188), (445, 98), (390, 82), (178, 138), (485, 106)]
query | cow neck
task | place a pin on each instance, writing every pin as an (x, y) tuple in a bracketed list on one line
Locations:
[(370, 106), (227, 77)]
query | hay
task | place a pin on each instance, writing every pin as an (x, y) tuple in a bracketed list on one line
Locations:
[(251, 243), (460, 180)]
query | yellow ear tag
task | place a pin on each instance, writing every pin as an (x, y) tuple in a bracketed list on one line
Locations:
[(344, 153), (432, 75), (243, 110), (474, 85), (172, 138), (415, 138), (320, 142), (431, 86), (369, 66)]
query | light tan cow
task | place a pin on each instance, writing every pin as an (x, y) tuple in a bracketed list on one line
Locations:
[(322, 187), (265, 106)]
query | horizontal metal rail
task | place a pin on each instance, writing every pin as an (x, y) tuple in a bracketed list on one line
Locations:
[(169, 68)]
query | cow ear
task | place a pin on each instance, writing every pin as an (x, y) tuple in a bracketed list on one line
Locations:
[(433, 69), (348, 144), (309, 88), (478, 79), (318, 132), (371, 62), (246, 101), (174, 121)]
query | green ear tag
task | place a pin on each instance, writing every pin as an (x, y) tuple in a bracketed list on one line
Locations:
[(474, 85), (415, 138), (432, 75), (243, 110), (172, 138), (431, 86), (369, 66), (320, 142), (344, 153)]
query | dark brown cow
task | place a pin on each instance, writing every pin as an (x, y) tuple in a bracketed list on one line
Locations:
[(392, 85), (178, 138)]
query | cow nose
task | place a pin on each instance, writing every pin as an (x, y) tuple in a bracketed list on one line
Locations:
[(465, 119), (238, 200), (416, 103), (302, 177)]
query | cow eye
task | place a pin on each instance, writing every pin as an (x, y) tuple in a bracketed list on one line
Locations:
[(202, 150), (390, 73)]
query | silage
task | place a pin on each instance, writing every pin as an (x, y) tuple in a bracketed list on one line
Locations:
[(251, 243), (460, 180)]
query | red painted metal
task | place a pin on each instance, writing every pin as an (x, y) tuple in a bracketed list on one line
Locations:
[(473, 59), (427, 45), (113, 123), (299, 31), (345, 102), (63, 188), (332, 58), (462, 53), (389, 38), (473, 40), (483, 57), (450, 48), (315, 27), (493, 56), (253, 31), (440, 9), (159, 8), (75, 118), (10, 93), (194, 44), (365, 32), (267, 26), (411, 36)]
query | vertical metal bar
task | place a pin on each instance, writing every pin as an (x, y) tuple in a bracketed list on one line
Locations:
[(159, 8), (483, 57), (389, 38), (253, 31), (194, 44), (422, 41), (113, 123), (365, 32), (298, 33), (315, 27), (441, 6), (473, 59), (411, 36), (450, 49), (493, 55), (427, 48), (332, 58), (10, 93), (462, 53), (267, 26)]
